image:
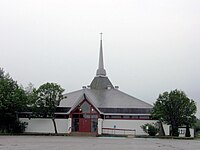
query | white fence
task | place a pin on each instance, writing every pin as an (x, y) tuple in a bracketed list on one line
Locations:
[(114, 131)]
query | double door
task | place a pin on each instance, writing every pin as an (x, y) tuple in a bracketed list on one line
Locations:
[(84, 125)]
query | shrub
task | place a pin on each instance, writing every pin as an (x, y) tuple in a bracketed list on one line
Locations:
[(150, 128), (19, 127)]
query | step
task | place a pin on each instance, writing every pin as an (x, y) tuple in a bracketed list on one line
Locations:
[(83, 134)]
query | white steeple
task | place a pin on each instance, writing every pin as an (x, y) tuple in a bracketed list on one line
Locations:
[(101, 71)]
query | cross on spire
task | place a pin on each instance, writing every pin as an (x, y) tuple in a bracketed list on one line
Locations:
[(101, 71)]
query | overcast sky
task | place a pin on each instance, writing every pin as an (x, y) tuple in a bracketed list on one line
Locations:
[(150, 46)]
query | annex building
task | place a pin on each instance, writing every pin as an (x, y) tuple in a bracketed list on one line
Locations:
[(98, 108)]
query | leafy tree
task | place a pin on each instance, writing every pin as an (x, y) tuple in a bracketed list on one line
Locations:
[(12, 100), (150, 128), (175, 109), (49, 96)]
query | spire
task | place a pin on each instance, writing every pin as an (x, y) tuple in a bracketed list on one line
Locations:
[(101, 71)]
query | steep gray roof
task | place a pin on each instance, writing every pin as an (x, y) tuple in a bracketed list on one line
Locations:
[(102, 99), (100, 83)]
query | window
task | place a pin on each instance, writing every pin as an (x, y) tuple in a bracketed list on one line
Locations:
[(85, 107)]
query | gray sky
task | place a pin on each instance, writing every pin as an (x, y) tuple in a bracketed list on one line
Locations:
[(150, 46)]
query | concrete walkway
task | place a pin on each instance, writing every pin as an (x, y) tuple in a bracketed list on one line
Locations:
[(93, 143)]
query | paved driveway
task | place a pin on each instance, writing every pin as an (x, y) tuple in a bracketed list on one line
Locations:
[(93, 143)]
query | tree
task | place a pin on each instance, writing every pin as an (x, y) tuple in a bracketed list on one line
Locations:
[(197, 128), (49, 96), (12, 100), (175, 109)]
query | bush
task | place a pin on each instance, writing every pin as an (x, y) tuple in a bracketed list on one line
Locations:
[(13, 127), (19, 127), (151, 129)]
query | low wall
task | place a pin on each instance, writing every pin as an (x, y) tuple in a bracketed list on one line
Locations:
[(37, 125)]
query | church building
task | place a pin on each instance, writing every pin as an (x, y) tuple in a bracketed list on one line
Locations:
[(99, 108)]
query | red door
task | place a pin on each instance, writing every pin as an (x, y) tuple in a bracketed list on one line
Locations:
[(84, 125)]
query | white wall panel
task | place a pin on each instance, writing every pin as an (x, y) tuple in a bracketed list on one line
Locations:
[(38, 125), (62, 125), (166, 129)]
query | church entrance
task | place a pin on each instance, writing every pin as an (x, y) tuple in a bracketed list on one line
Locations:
[(84, 118), (84, 125)]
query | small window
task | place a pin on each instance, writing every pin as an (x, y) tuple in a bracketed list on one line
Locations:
[(107, 117), (115, 117), (126, 117), (94, 116), (144, 117)]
